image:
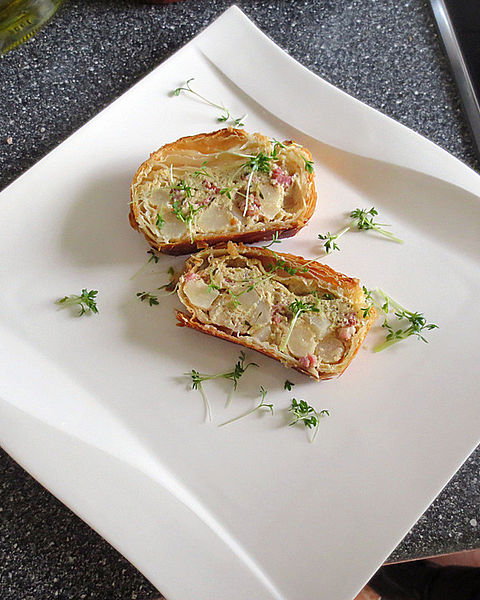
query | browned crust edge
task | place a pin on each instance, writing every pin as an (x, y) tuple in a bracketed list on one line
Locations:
[(216, 141), (318, 271)]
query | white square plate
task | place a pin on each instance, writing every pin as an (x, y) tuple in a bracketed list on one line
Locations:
[(98, 411)]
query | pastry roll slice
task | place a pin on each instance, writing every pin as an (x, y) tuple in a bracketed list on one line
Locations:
[(302, 313), (220, 186)]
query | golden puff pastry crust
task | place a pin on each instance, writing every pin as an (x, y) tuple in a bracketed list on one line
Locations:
[(302, 313), (193, 193)]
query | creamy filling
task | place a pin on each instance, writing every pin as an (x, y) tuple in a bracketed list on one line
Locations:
[(254, 301), (211, 197)]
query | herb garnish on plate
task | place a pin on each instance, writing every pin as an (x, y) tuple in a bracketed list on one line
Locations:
[(86, 302)]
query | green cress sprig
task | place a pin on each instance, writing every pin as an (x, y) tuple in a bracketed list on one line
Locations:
[(226, 191), (153, 258), (306, 414), (185, 214), (369, 299), (238, 371), (202, 170), (275, 240), (288, 385), (417, 324), (260, 405), (330, 245), (160, 222), (308, 165), (361, 220), (148, 297), (226, 116), (234, 376), (151, 298), (86, 301), (257, 162), (181, 186), (298, 307), (197, 379), (406, 324), (212, 285)]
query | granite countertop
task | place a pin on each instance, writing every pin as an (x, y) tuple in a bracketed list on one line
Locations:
[(384, 52)]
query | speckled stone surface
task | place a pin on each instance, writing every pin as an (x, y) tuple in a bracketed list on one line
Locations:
[(384, 52)]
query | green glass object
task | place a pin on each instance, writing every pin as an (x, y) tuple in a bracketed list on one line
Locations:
[(20, 19)]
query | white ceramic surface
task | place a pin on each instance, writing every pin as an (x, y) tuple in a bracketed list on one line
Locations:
[(97, 410)]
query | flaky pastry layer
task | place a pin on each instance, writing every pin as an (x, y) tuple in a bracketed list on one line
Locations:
[(302, 313), (228, 185)]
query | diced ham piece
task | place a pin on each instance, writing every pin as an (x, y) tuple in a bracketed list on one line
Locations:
[(209, 185), (277, 312), (345, 333), (281, 177), (253, 206), (307, 362), (191, 276), (352, 319)]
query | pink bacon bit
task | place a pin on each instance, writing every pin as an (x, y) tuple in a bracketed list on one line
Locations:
[(209, 185), (307, 362), (278, 312), (191, 276), (253, 206), (281, 177), (346, 333), (352, 319)]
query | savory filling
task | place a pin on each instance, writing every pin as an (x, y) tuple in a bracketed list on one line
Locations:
[(274, 306), (230, 191)]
